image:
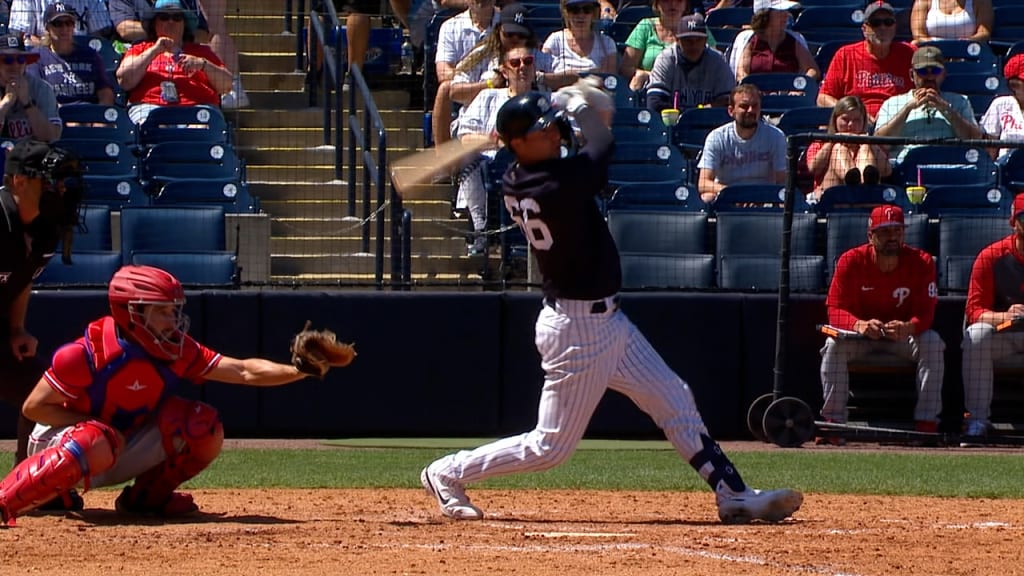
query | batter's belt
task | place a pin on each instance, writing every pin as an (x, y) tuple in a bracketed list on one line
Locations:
[(578, 307)]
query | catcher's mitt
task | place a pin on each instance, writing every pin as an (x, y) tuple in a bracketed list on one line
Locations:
[(314, 352)]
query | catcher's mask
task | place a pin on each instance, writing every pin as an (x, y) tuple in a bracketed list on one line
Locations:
[(133, 292)]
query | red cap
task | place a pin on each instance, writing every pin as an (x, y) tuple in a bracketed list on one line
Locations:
[(885, 216), (1014, 67), (1018, 208)]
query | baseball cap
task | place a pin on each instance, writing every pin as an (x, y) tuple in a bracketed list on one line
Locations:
[(1014, 68), (884, 217), (57, 10), (12, 44), (928, 56), (26, 158), (692, 26), (875, 7), (1018, 208), (579, 2), (760, 5), (513, 20)]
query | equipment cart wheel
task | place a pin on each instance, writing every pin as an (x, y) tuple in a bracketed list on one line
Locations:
[(788, 422), (755, 416)]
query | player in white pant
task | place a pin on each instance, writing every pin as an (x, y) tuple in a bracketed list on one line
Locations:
[(586, 343)]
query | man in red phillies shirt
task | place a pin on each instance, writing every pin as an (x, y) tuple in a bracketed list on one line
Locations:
[(874, 69), (995, 295), (885, 291)]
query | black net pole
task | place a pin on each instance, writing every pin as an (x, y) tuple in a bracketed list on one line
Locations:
[(792, 159)]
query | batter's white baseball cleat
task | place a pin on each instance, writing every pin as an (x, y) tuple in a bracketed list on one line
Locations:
[(450, 495), (767, 505)]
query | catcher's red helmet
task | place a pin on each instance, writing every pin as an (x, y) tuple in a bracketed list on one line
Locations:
[(134, 287)]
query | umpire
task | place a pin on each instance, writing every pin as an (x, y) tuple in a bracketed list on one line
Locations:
[(34, 217)]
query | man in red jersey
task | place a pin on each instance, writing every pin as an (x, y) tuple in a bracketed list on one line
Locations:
[(995, 295), (108, 408), (885, 292), (875, 69)]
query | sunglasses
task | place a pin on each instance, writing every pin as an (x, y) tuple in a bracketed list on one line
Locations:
[(878, 22), (517, 62), (172, 17), (928, 71), (585, 9), (20, 59), (63, 23)]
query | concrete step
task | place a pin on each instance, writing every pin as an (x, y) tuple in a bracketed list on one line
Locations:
[(257, 7), (269, 137), (300, 227), (359, 263), (290, 156), (285, 173), (399, 142), (390, 102), (266, 60), (352, 244), (338, 208), (267, 81), (277, 99), (259, 42), (297, 191)]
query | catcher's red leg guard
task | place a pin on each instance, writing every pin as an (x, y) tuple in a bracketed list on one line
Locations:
[(89, 448), (196, 428)]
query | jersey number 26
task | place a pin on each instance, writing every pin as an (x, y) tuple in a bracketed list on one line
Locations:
[(526, 213)]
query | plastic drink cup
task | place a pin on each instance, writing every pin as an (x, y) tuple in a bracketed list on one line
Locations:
[(915, 194), (670, 116)]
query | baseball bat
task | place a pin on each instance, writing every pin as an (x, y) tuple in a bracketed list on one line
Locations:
[(412, 174)]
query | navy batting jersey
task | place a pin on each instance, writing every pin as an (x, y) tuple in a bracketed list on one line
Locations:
[(554, 204), (24, 250)]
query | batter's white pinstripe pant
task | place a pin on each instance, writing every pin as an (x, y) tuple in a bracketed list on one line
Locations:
[(583, 353)]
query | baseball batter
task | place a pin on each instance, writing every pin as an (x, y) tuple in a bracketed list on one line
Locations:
[(586, 344), (108, 411)]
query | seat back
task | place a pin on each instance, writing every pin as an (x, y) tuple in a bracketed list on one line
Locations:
[(732, 17), (104, 47), (757, 197), (940, 165), (620, 174), (805, 120), (660, 232), (977, 200), (825, 52), (980, 89), (94, 269), (1007, 25), (114, 191), (694, 126), (184, 124), (782, 91), (626, 20), (656, 196), (618, 88), (861, 199), (193, 269), (642, 271), (97, 122), (182, 161), (639, 125), (544, 19), (232, 195), (171, 229), (961, 238), (828, 23), (966, 57), (761, 273), (94, 233), (104, 157)]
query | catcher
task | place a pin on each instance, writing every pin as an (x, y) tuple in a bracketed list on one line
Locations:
[(107, 408)]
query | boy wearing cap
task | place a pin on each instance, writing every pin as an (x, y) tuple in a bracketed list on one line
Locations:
[(995, 295), (874, 69), (926, 111), (689, 74), (28, 107), (27, 18), (1004, 120), (885, 291)]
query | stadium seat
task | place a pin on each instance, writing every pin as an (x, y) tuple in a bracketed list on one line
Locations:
[(194, 269), (625, 21), (845, 230), (624, 97), (184, 124), (694, 126), (861, 199), (667, 271), (114, 191), (829, 23), (825, 52), (748, 245), (757, 197), (656, 196), (87, 269), (1007, 25), (189, 161), (761, 273), (544, 19), (939, 165), (961, 237), (804, 120), (781, 91), (104, 157), (733, 17), (171, 229), (978, 200), (659, 232), (620, 174), (640, 125), (102, 46), (980, 89), (1013, 171), (966, 57), (97, 122), (232, 195), (94, 230)]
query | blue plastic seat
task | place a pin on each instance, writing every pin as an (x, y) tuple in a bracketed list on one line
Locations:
[(97, 122), (102, 46), (544, 19), (861, 198), (804, 120), (757, 197), (643, 271), (114, 191), (659, 232), (174, 161), (733, 17), (694, 126), (961, 238), (977, 200), (782, 91), (941, 165), (748, 246), (94, 231), (828, 23), (639, 125), (104, 157), (980, 89), (193, 269), (825, 52), (92, 269), (656, 196), (231, 194), (626, 20), (171, 229), (184, 124), (619, 88), (1007, 25), (966, 57), (620, 174)]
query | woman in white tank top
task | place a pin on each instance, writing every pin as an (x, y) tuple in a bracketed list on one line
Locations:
[(579, 47), (951, 20)]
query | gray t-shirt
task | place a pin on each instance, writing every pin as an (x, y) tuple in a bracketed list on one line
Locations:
[(696, 83), (739, 161), (16, 124)]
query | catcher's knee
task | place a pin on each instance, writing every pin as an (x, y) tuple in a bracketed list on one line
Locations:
[(190, 430)]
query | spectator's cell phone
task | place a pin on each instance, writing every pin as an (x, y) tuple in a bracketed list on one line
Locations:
[(168, 92)]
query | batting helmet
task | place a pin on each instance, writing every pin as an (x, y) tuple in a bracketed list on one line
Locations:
[(133, 288), (524, 114)]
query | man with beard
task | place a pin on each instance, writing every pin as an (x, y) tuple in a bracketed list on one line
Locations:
[(746, 151), (995, 296), (883, 294), (926, 111)]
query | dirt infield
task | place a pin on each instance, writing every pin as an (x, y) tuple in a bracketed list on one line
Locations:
[(564, 533)]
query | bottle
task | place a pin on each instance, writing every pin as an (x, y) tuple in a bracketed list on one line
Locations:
[(407, 57)]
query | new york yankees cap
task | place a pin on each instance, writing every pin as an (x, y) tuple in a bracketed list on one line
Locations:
[(692, 26), (513, 20)]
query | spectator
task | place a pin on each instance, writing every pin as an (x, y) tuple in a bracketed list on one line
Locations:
[(690, 74), (27, 18), (885, 291), (832, 164), (951, 20), (873, 69), (224, 47), (1003, 120), (649, 38), (476, 122), (457, 37), (128, 17), (745, 151), (995, 295), (75, 72), (170, 69), (578, 47), (28, 106), (926, 111), (769, 46)]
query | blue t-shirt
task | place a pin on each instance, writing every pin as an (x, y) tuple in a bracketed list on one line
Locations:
[(75, 77)]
